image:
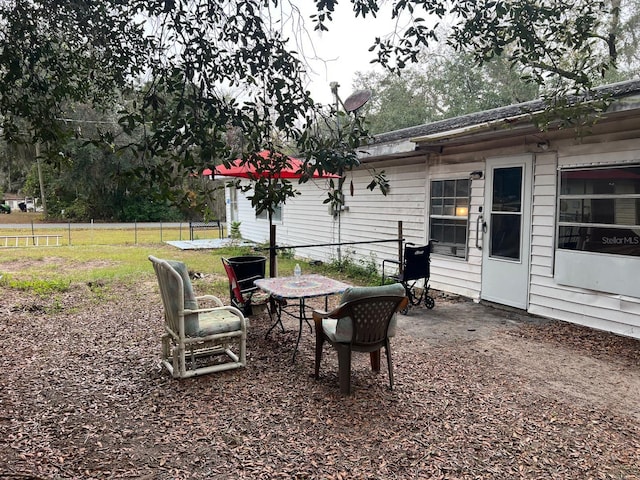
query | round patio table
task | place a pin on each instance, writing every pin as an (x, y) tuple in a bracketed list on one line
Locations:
[(301, 288)]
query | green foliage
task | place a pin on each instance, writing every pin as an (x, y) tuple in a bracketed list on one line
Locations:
[(185, 118), (42, 287), (364, 270), (77, 210), (235, 233), (288, 253), (15, 161), (445, 84), (83, 182), (140, 208)]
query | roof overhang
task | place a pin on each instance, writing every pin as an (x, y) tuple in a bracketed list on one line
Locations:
[(501, 128), (503, 123)]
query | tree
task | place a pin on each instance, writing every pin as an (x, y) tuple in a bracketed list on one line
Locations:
[(444, 84), (192, 53), (15, 162)]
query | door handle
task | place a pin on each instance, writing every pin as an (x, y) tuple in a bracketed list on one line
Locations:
[(481, 226)]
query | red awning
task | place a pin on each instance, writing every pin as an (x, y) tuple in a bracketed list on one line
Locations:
[(292, 169)]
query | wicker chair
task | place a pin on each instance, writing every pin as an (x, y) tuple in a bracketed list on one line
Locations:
[(197, 340), (363, 322)]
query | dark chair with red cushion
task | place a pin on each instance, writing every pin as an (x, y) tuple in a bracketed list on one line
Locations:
[(245, 296)]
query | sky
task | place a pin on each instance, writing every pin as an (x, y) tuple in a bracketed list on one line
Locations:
[(338, 54)]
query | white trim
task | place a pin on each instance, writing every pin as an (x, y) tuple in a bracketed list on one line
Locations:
[(601, 164)]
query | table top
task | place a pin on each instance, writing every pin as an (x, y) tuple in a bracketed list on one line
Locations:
[(304, 286)]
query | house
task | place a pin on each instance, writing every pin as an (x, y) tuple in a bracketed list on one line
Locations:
[(547, 222), (14, 201)]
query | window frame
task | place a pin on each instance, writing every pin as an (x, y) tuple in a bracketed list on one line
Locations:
[(439, 247), (588, 199)]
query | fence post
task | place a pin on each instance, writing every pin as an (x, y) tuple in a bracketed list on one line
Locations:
[(160, 232), (135, 232), (33, 234), (400, 249), (69, 233)]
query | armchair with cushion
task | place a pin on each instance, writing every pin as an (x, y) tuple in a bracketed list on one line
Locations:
[(197, 340), (363, 322)]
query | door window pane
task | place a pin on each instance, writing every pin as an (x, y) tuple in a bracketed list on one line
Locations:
[(505, 236), (507, 189)]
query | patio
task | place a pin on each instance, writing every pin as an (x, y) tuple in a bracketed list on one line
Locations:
[(480, 393)]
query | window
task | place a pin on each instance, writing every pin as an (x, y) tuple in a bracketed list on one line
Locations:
[(448, 218), (277, 214), (599, 210)]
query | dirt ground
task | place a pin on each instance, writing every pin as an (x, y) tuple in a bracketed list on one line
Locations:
[(18, 217), (479, 393), (568, 361)]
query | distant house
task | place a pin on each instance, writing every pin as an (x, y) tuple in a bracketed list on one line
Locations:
[(14, 200), (547, 222)]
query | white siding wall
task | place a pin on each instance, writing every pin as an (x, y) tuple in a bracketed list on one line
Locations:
[(370, 216), (373, 216), (306, 221), (615, 313), (251, 228)]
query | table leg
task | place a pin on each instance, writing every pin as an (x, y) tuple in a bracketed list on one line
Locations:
[(275, 305), (302, 316)]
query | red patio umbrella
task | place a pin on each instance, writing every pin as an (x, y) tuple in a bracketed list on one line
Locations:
[(293, 169)]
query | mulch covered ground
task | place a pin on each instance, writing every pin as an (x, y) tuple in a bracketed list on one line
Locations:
[(82, 396)]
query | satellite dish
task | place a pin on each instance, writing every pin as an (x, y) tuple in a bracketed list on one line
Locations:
[(356, 100)]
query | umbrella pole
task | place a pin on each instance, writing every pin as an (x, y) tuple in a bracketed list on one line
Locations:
[(272, 251)]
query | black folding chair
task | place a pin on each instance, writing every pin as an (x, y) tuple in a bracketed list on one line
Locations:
[(415, 268)]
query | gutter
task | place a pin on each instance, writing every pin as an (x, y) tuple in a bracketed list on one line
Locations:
[(494, 125)]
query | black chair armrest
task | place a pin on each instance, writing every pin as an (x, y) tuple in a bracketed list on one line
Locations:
[(248, 279), (394, 262)]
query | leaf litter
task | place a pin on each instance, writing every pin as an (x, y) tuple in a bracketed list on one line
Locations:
[(82, 396)]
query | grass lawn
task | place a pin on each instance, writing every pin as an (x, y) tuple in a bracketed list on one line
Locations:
[(45, 269)]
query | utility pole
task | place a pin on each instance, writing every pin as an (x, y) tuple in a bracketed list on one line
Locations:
[(40, 180), (334, 89)]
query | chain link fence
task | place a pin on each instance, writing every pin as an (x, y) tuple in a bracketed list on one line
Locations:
[(61, 234)]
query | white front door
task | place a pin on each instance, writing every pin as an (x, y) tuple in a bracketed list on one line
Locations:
[(506, 223)]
